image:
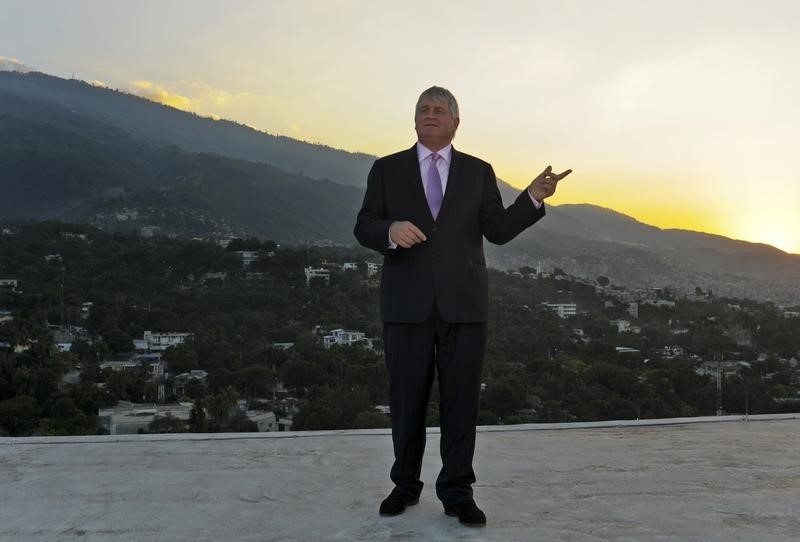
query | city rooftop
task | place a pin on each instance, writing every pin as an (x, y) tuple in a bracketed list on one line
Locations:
[(712, 479)]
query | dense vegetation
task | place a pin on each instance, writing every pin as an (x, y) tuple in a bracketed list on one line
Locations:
[(73, 168), (538, 368), (42, 97)]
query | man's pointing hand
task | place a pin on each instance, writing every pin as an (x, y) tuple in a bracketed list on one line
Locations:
[(544, 185)]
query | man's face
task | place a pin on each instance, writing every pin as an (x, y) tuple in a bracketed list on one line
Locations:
[(434, 124)]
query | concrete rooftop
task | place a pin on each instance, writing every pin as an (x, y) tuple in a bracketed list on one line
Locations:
[(705, 479)]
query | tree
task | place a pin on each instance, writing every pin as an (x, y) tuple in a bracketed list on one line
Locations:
[(19, 416), (222, 404), (504, 396), (240, 423), (8, 375), (180, 358), (118, 341), (64, 417), (298, 375), (371, 420), (196, 389), (197, 418), (167, 424), (317, 415), (87, 397)]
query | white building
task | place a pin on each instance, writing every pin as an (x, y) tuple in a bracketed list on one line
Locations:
[(563, 310), (317, 273), (155, 367), (659, 303), (217, 276), (723, 368), (9, 282), (149, 231), (349, 266), (342, 337), (160, 341), (266, 421), (129, 418), (623, 326), (248, 257), (183, 379), (372, 269), (671, 352)]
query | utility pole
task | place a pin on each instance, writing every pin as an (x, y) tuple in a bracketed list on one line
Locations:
[(719, 383), (746, 402), (62, 298)]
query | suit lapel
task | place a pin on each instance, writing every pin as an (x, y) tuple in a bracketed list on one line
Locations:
[(452, 179)]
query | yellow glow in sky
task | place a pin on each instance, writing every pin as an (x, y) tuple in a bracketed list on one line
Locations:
[(158, 94), (679, 113)]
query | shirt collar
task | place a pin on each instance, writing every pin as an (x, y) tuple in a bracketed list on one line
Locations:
[(424, 152)]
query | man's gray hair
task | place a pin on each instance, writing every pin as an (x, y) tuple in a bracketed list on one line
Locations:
[(439, 94)]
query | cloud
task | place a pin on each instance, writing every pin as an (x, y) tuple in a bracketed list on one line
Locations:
[(9, 64), (98, 83), (206, 100), (156, 93)]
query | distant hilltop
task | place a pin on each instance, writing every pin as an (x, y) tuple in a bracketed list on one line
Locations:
[(73, 151)]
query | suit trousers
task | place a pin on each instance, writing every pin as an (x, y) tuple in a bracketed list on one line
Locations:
[(456, 352)]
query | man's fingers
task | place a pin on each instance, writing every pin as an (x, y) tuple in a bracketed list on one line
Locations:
[(415, 231), (548, 174), (409, 235), (408, 240), (559, 176), (412, 233)]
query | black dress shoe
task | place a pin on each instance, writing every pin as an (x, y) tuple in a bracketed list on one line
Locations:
[(467, 512), (395, 504)]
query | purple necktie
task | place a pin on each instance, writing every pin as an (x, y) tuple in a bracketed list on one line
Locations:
[(433, 187)]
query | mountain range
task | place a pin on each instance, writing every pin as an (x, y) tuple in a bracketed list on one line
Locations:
[(73, 151)]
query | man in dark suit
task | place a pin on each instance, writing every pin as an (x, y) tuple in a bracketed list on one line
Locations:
[(427, 210)]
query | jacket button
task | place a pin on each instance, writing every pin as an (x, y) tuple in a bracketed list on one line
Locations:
[(435, 229)]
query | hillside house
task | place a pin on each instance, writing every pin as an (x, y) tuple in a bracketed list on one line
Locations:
[(563, 310), (157, 342), (313, 273), (9, 282)]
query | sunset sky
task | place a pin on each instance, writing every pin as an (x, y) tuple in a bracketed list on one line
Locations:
[(679, 113)]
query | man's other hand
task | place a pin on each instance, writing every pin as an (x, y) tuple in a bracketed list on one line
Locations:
[(544, 185), (406, 234)]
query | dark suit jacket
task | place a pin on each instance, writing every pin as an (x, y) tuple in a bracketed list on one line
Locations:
[(449, 267)]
